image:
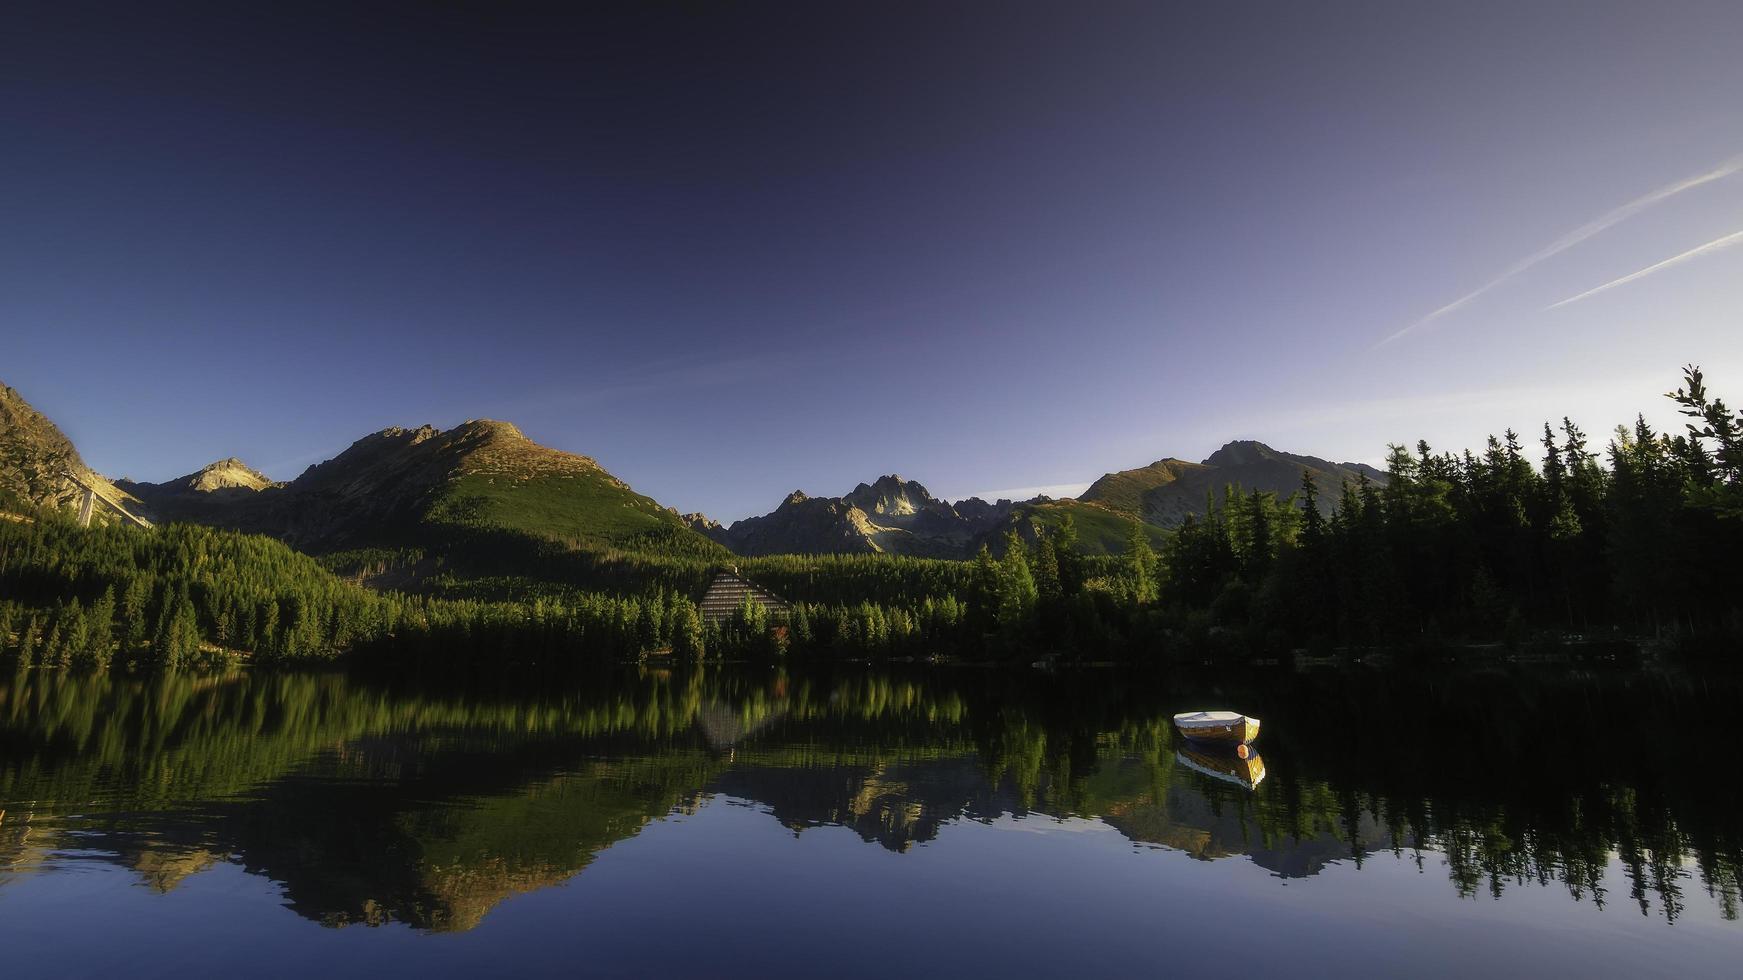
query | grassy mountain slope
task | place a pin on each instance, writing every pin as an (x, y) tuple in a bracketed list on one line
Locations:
[(1100, 530), (426, 487), (1125, 490), (581, 509)]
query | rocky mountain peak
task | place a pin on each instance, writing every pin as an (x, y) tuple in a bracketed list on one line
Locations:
[(488, 429), (889, 514), (701, 522), (893, 496), (398, 433), (226, 474), (1241, 452)]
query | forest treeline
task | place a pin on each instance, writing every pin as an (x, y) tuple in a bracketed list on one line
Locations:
[(1507, 545), (1641, 539), (1511, 545), (186, 596)]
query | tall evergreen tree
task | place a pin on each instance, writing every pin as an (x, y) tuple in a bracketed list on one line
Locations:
[(1068, 553), (1017, 591), (1140, 565)]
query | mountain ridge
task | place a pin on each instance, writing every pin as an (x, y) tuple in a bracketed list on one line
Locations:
[(1166, 492), (889, 515), (400, 486), (410, 485), (897, 516)]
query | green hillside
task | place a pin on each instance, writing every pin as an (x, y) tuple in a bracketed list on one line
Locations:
[(588, 510), (1100, 531), (470, 499), (1126, 490)]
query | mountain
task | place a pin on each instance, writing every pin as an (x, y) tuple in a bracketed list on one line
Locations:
[(890, 515), (899, 516), (225, 474), (485, 482), (1166, 491), (35, 458), (425, 486), (191, 497)]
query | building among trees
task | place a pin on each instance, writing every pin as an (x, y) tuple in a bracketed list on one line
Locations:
[(726, 595)]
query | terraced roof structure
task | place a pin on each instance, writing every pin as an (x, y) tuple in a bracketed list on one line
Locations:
[(727, 593)]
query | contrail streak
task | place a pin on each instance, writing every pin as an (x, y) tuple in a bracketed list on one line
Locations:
[(1734, 238), (1578, 235)]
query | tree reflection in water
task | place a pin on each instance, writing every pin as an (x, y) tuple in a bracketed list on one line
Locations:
[(374, 802)]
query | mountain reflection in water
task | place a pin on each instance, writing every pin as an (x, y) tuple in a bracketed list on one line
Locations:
[(369, 802)]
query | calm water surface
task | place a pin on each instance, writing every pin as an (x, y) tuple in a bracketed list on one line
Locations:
[(861, 822)]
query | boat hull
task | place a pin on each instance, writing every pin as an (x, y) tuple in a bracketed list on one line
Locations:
[(1240, 731)]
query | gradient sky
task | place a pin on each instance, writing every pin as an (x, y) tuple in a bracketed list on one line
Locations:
[(733, 252)]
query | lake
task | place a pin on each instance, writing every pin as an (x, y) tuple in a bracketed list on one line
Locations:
[(861, 821)]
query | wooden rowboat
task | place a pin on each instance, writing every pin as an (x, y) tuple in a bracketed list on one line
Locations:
[(1217, 727)]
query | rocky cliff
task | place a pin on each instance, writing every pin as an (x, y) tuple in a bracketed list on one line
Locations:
[(889, 515), (35, 458)]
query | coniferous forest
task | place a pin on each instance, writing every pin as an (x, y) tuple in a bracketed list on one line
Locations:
[(1527, 542)]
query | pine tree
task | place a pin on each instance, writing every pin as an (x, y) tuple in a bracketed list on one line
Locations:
[(178, 640), (1312, 521), (1257, 549), (27, 641), (133, 613), (53, 652), (1046, 571), (97, 649), (1066, 550), (687, 633), (1140, 565), (8, 622), (1712, 421), (1017, 592)]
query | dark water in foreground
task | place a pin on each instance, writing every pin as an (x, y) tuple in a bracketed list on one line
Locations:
[(757, 822)]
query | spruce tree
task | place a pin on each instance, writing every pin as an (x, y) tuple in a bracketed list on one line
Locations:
[(1045, 568), (1069, 556), (27, 641), (1017, 592), (1140, 565), (97, 649), (687, 633)]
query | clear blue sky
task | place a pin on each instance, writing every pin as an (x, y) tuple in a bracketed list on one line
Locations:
[(731, 253)]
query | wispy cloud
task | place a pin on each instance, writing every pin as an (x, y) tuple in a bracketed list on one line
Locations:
[(1575, 237), (1712, 246)]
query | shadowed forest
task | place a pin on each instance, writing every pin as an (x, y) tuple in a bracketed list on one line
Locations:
[(1519, 546)]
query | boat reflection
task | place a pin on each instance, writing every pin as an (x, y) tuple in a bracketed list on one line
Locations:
[(1228, 766)]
